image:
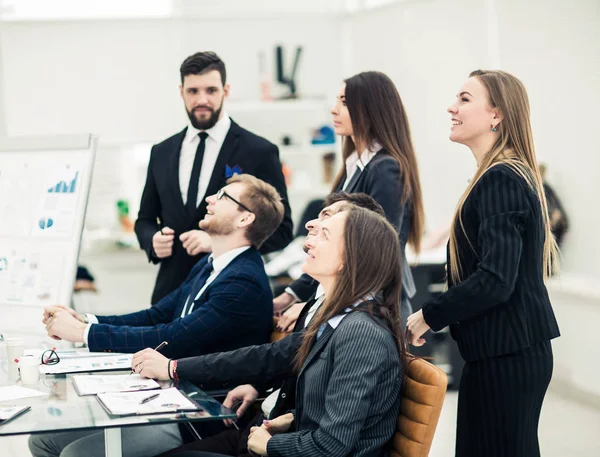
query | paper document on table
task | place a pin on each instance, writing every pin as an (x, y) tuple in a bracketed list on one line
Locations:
[(160, 401), (97, 384), (16, 392), (8, 413), (83, 364), (71, 353)]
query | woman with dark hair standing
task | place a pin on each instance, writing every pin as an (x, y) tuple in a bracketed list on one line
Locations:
[(500, 252), (380, 161)]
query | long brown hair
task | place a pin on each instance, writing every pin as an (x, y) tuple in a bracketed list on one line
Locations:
[(378, 115), (514, 147), (366, 271)]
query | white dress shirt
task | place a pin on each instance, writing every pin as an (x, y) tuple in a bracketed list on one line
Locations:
[(354, 163), (219, 264), (214, 141)]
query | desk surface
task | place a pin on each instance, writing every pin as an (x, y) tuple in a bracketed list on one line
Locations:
[(63, 409)]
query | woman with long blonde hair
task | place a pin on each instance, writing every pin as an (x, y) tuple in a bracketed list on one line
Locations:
[(500, 252)]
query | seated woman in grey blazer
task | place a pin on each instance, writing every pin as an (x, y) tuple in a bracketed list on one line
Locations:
[(351, 362)]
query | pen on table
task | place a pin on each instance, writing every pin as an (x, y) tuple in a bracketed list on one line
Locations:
[(160, 226), (150, 398), (157, 349)]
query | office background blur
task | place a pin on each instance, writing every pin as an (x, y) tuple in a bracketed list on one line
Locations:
[(111, 68)]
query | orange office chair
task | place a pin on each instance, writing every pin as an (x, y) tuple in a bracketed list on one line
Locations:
[(423, 393)]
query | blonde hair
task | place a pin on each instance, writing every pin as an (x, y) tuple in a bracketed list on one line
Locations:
[(265, 202), (514, 147)]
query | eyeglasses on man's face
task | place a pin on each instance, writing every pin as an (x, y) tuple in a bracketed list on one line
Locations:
[(222, 194)]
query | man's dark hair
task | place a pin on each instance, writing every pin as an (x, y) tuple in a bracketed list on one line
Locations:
[(359, 199), (203, 62)]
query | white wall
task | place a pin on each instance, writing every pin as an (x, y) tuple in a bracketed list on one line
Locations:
[(119, 79), (429, 47)]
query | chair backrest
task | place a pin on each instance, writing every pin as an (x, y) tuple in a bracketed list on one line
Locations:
[(276, 335), (423, 392)]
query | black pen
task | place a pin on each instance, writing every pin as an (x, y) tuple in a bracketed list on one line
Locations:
[(160, 226), (157, 349), (150, 398)]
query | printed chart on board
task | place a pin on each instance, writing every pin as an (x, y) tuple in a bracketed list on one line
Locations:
[(42, 204)]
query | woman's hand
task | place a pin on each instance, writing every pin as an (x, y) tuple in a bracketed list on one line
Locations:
[(288, 319), (244, 394), (280, 424), (151, 364), (257, 441), (416, 328)]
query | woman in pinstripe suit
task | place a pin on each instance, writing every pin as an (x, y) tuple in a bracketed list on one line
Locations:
[(351, 361), (500, 252)]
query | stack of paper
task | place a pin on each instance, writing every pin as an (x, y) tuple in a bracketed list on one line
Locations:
[(128, 404), (91, 363), (10, 412), (96, 384)]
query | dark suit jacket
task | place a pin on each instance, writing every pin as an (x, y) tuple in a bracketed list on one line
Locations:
[(501, 305), (348, 393), (162, 198), (381, 180), (235, 310)]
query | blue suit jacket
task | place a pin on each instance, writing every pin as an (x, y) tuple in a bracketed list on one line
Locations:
[(235, 310)]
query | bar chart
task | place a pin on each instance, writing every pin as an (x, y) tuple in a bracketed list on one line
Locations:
[(65, 187)]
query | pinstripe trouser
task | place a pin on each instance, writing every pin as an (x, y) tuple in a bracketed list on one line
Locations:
[(499, 403)]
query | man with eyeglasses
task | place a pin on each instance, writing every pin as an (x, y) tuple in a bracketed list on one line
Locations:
[(224, 304)]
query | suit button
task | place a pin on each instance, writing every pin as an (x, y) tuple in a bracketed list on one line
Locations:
[(283, 395)]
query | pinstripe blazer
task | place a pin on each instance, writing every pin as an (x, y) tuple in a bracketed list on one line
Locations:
[(502, 304), (234, 311), (347, 394)]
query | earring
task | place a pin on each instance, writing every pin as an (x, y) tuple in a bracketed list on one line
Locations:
[(494, 129)]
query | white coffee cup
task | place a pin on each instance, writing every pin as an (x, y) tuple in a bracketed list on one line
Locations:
[(29, 367), (15, 346)]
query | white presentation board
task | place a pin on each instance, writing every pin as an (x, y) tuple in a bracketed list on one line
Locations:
[(44, 187)]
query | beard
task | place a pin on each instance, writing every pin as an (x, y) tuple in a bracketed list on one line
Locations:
[(217, 225), (205, 124)]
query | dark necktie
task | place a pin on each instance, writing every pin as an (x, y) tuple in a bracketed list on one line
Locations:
[(199, 284), (192, 195)]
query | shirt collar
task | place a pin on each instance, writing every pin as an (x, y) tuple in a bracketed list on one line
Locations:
[(217, 132), (221, 262), (320, 292), (335, 320), (365, 157)]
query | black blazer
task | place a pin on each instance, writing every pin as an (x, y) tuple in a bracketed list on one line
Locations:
[(162, 198), (501, 305), (264, 366), (381, 179)]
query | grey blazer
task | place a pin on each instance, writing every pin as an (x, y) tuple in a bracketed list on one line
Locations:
[(347, 394)]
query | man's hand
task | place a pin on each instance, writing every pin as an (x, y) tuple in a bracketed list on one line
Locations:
[(50, 310), (196, 241), (62, 325), (162, 243), (149, 363), (288, 320), (257, 441), (282, 301), (416, 328), (246, 394), (280, 424)]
